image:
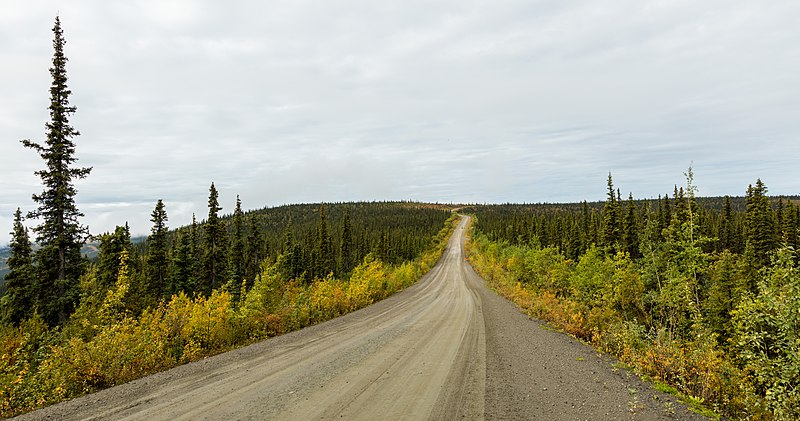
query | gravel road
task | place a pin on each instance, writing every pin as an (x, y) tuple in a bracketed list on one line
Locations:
[(445, 348)]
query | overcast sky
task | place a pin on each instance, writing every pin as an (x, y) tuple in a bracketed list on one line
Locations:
[(450, 101)]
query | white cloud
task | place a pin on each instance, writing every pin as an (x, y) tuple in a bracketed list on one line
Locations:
[(464, 101)]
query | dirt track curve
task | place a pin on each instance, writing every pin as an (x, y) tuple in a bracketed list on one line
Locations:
[(445, 348)]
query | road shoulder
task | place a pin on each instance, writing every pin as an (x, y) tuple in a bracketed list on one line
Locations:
[(533, 372)]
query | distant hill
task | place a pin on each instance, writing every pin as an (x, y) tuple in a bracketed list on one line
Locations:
[(4, 253), (90, 250), (304, 217)]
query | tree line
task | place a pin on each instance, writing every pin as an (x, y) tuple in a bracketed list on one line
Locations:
[(618, 223)]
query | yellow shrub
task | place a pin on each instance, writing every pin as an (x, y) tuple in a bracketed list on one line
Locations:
[(327, 300), (366, 278), (19, 353), (208, 324)]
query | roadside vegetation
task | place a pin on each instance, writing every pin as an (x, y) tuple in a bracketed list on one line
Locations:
[(107, 341), (702, 296)]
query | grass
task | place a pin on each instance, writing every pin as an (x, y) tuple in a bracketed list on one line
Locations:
[(694, 404)]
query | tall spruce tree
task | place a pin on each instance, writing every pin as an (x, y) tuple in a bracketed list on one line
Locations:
[(214, 257), (730, 236), (112, 246), (157, 259), (586, 238), (255, 248), (789, 230), (667, 213), (236, 257), (19, 299), (59, 234), (290, 261), (182, 267), (630, 229), (347, 248), (611, 218), (196, 255), (760, 229), (323, 249)]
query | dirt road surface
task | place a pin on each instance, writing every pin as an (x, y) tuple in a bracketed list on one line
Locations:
[(446, 348)]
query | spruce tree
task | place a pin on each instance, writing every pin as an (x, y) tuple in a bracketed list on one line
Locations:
[(214, 257), (667, 213), (182, 267), (346, 249), (236, 258), (585, 236), (727, 287), (112, 246), (323, 249), (19, 299), (681, 210), (730, 234), (789, 229), (630, 229), (255, 248), (611, 211), (196, 254), (290, 261), (157, 260), (59, 234), (760, 229)]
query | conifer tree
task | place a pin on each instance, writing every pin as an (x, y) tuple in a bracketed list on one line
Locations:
[(112, 246), (214, 257), (347, 247), (196, 253), (594, 223), (236, 257), (611, 227), (323, 250), (59, 234), (255, 248), (384, 247), (157, 259), (586, 238), (725, 233), (19, 299), (681, 211), (182, 267), (290, 259), (631, 229), (760, 230), (667, 213), (727, 287), (790, 226)]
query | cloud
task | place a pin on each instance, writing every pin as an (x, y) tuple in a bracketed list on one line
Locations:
[(305, 101)]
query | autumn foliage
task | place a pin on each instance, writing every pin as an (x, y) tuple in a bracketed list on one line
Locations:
[(103, 344)]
